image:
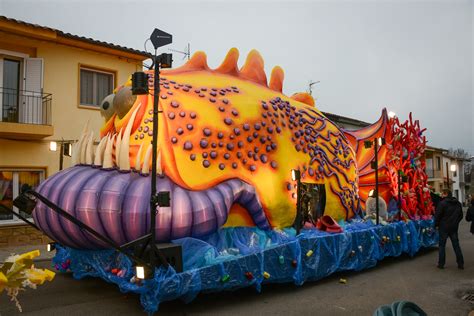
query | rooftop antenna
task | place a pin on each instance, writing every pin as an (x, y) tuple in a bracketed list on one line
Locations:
[(310, 86), (186, 52)]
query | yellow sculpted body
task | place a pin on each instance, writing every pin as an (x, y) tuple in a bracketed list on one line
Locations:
[(227, 123)]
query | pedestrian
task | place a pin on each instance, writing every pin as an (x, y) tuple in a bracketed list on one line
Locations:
[(435, 198), (447, 218), (470, 214)]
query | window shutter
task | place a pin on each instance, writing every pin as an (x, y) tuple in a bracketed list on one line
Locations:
[(34, 74), (32, 105)]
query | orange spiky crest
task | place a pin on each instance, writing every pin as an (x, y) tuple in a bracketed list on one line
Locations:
[(276, 79), (252, 70), (303, 97), (229, 65), (197, 62)]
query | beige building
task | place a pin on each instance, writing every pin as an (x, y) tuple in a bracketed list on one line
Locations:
[(446, 172), (51, 83), (436, 168)]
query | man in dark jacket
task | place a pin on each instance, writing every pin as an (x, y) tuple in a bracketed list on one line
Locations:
[(447, 217), (435, 198)]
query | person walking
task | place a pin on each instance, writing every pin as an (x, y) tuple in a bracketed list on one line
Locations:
[(435, 198), (470, 214), (447, 218)]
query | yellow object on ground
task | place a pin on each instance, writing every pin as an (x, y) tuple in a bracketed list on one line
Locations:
[(19, 272)]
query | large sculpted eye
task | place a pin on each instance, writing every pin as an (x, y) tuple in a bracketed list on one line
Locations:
[(107, 107), (123, 101)]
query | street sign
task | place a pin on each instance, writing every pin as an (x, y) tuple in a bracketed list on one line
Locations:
[(160, 38)]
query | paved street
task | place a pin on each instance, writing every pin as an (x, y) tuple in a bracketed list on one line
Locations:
[(438, 292)]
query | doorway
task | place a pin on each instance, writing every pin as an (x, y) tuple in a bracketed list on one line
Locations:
[(10, 90), (313, 201)]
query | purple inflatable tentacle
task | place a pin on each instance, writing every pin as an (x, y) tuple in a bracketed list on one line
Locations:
[(52, 217), (136, 206), (247, 194), (258, 215), (227, 193), (220, 206), (117, 205), (244, 194), (39, 213), (68, 201), (182, 220), (251, 202), (237, 189), (165, 214), (110, 206), (87, 206), (204, 217)]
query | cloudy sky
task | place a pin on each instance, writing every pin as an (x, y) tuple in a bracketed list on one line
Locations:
[(407, 56)]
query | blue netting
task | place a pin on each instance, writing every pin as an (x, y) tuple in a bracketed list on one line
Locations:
[(240, 257)]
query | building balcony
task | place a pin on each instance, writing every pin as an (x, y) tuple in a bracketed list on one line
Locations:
[(434, 174), (25, 114)]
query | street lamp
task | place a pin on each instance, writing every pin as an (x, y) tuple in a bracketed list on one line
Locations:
[(453, 169), (378, 141), (65, 149), (53, 146)]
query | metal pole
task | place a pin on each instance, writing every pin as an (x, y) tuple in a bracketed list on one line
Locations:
[(153, 202), (83, 226), (299, 218), (376, 146), (399, 195), (61, 158)]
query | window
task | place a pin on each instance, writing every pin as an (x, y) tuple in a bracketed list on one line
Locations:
[(438, 163), (21, 89), (11, 182), (10, 90), (95, 85)]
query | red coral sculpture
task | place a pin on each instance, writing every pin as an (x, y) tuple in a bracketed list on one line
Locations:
[(405, 154)]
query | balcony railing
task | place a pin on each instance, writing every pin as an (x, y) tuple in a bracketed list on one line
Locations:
[(27, 107), (433, 173)]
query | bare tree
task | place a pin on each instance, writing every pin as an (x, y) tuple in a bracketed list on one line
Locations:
[(459, 153)]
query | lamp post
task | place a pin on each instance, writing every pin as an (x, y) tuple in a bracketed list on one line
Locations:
[(401, 179), (161, 199), (453, 169), (296, 176), (65, 149), (399, 195)]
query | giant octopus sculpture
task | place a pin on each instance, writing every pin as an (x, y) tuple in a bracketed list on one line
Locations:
[(227, 142)]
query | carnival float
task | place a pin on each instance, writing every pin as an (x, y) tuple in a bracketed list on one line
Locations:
[(236, 157)]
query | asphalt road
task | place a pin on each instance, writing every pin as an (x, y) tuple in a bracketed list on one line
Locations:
[(416, 279)]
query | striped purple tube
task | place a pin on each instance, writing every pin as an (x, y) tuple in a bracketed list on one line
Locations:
[(116, 205)]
